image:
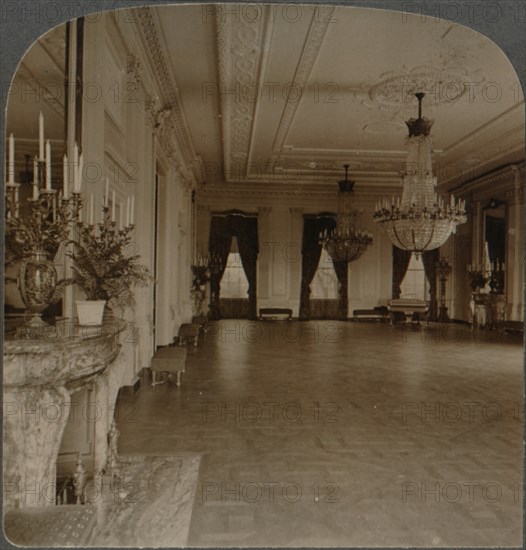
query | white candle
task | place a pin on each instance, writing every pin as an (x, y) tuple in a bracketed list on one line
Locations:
[(76, 169), (35, 178), (81, 169), (48, 166), (132, 210), (11, 159), (91, 210), (65, 185), (127, 211), (121, 215), (41, 136), (106, 192), (113, 206)]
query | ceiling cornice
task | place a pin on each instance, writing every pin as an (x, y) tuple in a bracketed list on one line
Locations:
[(156, 48), (287, 190), (503, 179), (35, 83)]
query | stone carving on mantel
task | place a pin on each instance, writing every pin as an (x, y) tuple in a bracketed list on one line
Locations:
[(40, 373), (264, 210), (134, 69)]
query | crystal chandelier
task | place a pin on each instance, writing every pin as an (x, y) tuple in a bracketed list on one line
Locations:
[(421, 221), (345, 243)]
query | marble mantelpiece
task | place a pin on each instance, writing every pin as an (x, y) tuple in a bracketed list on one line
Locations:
[(39, 378)]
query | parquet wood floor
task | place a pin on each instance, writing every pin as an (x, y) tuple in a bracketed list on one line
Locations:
[(344, 434)]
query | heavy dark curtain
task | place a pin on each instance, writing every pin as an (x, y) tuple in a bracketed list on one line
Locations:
[(219, 248), (429, 259), (401, 259), (310, 255), (245, 229), (246, 232), (342, 274)]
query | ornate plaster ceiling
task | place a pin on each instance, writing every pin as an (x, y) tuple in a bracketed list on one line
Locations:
[(274, 93)]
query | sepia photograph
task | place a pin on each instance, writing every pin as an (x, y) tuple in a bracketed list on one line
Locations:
[(263, 274)]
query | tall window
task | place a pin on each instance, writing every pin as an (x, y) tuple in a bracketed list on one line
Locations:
[(234, 283), (414, 285), (324, 286)]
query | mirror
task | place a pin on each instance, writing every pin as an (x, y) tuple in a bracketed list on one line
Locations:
[(495, 243), (37, 99)]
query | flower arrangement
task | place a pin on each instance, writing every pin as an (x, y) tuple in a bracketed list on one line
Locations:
[(105, 265), (200, 276), (477, 280)]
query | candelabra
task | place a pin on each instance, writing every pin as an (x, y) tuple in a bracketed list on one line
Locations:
[(443, 269), (478, 276), (200, 276), (34, 233), (215, 267), (496, 279)]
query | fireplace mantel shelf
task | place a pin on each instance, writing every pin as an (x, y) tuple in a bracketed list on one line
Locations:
[(69, 355)]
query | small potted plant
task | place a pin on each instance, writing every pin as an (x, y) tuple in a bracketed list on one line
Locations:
[(105, 265)]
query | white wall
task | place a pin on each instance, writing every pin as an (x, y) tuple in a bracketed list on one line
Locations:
[(280, 226)]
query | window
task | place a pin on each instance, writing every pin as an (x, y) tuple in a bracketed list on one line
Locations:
[(234, 283), (414, 285), (324, 286)]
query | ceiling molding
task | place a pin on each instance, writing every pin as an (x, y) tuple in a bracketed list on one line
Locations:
[(485, 156), (240, 59), (489, 128), (503, 179), (157, 46), (309, 54), (57, 104), (287, 190)]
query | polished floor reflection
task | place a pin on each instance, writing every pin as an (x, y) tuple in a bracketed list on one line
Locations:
[(344, 434)]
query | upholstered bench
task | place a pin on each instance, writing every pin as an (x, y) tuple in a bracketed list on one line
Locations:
[(407, 308), (380, 313), (273, 312), (202, 321), (169, 359), (188, 332), (511, 326)]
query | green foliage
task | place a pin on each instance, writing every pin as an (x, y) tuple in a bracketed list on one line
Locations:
[(105, 263)]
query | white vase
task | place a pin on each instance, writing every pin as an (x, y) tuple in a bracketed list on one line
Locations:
[(90, 312)]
